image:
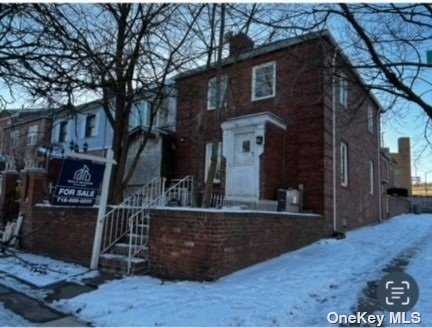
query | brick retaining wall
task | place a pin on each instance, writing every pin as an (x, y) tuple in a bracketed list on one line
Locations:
[(61, 232), (205, 245)]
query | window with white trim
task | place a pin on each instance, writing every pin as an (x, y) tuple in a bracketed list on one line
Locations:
[(343, 90), (32, 135), (212, 92), (63, 131), (371, 177), (370, 120), (344, 164), (90, 126), (14, 137), (208, 153), (264, 81), (140, 114)]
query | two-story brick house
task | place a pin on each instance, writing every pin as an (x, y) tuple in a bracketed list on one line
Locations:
[(24, 131), (295, 114)]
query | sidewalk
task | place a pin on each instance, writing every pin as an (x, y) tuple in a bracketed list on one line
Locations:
[(35, 303)]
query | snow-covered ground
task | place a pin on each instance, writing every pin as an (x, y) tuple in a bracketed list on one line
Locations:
[(38, 270), (10, 319), (297, 289)]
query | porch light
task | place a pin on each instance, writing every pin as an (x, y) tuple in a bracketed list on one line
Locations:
[(85, 146)]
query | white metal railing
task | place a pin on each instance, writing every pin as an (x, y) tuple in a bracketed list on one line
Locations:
[(217, 200), (180, 193), (139, 222), (131, 217), (115, 220)]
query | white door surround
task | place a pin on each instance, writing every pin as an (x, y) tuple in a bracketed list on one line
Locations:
[(243, 144)]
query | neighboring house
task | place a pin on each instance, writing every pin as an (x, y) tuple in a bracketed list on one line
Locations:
[(390, 170), (278, 128), (5, 119), (88, 129), (403, 158), (24, 131), (84, 129)]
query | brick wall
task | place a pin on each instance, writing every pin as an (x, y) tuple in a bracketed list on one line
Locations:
[(8, 197), (356, 206), (273, 162), (61, 232), (294, 156), (207, 245), (398, 205)]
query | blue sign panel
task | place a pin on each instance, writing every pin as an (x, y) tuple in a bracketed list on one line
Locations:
[(79, 183)]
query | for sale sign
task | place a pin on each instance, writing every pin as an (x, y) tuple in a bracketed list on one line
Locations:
[(79, 183)]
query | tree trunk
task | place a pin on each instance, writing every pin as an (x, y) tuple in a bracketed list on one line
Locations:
[(208, 189)]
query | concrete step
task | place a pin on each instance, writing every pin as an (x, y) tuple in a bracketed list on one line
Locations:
[(123, 249), (136, 238), (116, 263), (141, 229)]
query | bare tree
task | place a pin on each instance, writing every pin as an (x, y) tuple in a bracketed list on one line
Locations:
[(121, 52), (387, 43)]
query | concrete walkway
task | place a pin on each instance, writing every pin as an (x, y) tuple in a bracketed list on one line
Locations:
[(368, 301), (36, 304)]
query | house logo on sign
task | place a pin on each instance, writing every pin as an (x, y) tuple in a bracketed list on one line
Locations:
[(82, 175)]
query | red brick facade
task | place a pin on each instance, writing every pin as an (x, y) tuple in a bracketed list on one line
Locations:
[(208, 245), (303, 153), (183, 244)]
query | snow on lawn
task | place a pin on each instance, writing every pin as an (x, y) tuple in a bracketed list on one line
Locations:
[(295, 289), (10, 319), (38, 270)]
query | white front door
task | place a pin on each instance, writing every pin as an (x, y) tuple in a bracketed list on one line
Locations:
[(243, 170)]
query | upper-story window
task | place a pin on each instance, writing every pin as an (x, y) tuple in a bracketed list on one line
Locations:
[(14, 137), (371, 177), (140, 114), (62, 131), (344, 163), (90, 125), (343, 91), (212, 92), (264, 81), (32, 135), (370, 120)]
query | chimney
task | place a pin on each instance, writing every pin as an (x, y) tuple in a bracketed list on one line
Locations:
[(238, 43)]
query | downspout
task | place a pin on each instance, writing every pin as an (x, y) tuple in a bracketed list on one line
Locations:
[(334, 140), (379, 165)]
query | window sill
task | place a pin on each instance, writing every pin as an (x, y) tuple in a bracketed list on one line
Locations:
[(263, 98)]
